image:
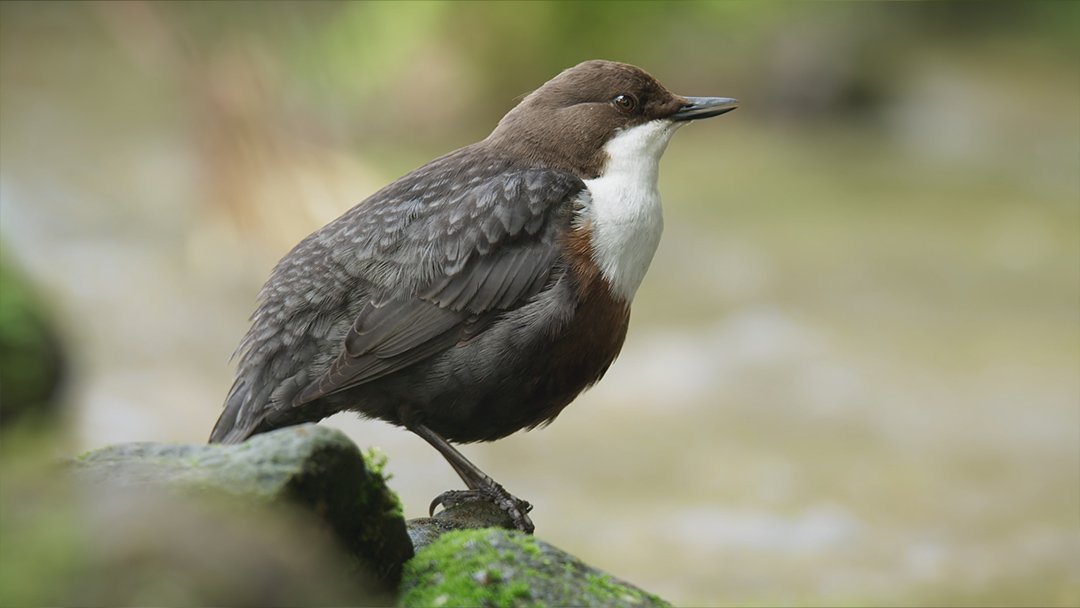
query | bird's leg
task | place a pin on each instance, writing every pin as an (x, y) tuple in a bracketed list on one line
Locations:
[(481, 487)]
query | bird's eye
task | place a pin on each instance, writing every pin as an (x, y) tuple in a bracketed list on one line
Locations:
[(626, 103)]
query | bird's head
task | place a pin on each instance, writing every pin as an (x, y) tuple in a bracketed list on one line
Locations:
[(568, 122)]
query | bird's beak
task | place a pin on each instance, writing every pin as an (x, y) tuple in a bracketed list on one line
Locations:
[(704, 107)]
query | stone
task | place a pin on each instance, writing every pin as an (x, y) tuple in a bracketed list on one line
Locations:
[(466, 516), (498, 567), (311, 467), (33, 357), (68, 544)]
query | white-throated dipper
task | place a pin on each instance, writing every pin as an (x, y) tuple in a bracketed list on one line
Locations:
[(481, 293)]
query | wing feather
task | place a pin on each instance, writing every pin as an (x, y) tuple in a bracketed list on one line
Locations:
[(443, 267)]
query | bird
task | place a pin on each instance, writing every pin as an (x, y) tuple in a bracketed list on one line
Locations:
[(481, 293)]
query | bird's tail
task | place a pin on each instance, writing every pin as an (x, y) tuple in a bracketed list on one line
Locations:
[(249, 413), (233, 426)]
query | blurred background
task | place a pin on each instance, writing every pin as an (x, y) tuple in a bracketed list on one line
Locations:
[(852, 374)]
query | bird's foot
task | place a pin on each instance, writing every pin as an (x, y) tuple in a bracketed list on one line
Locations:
[(517, 509)]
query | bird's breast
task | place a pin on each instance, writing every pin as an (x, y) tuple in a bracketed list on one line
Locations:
[(582, 349), (623, 206), (627, 222)]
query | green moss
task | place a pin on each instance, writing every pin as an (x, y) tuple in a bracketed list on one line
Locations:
[(609, 591), (464, 568), (531, 549), (519, 589), (370, 522), (494, 567), (32, 356), (375, 460)]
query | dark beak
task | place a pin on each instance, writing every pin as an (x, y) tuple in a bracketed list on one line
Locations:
[(704, 107)]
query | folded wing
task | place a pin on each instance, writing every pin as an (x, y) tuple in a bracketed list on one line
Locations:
[(444, 263)]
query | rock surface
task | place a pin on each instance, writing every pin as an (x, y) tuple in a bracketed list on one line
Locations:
[(312, 467), (165, 519), (467, 516), (33, 357), (496, 567), (70, 545)]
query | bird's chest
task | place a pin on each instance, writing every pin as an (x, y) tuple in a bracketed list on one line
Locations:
[(592, 339), (589, 338), (579, 353), (626, 221)]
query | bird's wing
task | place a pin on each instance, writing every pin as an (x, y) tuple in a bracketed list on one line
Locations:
[(444, 260)]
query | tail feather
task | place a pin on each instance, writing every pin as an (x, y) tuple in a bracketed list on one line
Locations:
[(231, 427), (250, 412)]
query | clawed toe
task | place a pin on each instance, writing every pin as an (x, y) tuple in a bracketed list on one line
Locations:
[(452, 498), (516, 508)]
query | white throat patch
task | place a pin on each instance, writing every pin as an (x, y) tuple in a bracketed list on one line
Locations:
[(625, 208)]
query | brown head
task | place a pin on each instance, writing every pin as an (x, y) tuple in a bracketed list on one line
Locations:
[(566, 122)]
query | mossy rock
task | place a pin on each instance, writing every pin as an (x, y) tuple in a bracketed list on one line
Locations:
[(465, 516), (66, 545), (495, 567), (312, 467), (33, 361)]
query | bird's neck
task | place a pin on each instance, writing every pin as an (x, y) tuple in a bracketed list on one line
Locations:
[(559, 145)]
